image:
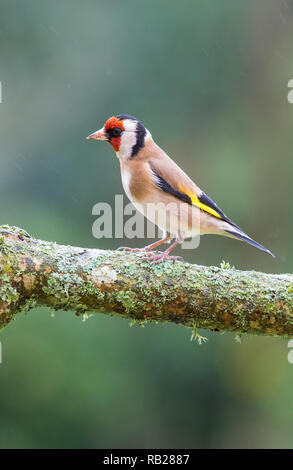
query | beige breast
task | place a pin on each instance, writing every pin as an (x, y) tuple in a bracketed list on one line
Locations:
[(164, 210)]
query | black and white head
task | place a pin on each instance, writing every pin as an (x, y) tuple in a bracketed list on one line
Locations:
[(125, 133)]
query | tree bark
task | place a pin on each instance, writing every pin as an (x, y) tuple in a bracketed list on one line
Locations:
[(39, 273)]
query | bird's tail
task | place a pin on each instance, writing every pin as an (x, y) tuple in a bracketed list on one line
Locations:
[(247, 239)]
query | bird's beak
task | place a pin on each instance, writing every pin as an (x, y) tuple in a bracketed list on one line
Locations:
[(98, 135)]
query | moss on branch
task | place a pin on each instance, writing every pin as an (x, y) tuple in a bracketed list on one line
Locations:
[(39, 273)]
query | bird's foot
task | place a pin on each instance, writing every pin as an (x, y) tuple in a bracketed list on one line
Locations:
[(126, 248), (145, 251), (156, 258)]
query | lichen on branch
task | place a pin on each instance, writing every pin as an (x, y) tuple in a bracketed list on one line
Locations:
[(39, 273)]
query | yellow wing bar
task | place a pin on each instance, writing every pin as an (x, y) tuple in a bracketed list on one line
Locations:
[(196, 202)]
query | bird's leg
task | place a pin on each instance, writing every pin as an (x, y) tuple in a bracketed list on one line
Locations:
[(155, 258), (148, 248)]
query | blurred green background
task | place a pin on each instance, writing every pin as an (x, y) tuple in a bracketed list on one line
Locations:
[(209, 79)]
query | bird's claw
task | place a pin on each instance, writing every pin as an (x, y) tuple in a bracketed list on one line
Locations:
[(155, 258), (126, 248), (145, 251)]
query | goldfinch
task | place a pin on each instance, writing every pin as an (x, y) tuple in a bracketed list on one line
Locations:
[(159, 189)]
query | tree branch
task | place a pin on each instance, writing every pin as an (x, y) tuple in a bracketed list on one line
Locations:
[(39, 273)]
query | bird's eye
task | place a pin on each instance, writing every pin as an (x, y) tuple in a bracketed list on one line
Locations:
[(116, 132)]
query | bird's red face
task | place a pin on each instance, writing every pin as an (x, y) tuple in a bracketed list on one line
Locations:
[(111, 132), (125, 133)]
